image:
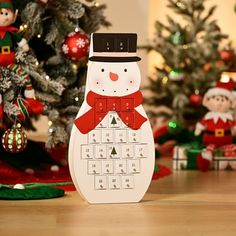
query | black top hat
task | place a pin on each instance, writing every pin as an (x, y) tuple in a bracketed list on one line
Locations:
[(114, 47)]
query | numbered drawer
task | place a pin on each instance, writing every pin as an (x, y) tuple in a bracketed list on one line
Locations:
[(141, 150), (114, 120), (100, 151), (114, 104), (94, 136), (107, 136), (128, 119), (127, 104), (121, 136), (114, 151), (107, 167), (101, 120), (127, 182), (100, 182), (134, 166), (87, 151), (120, 167), (100, 105), (94, 167), (134, 136), (127, 151), (114, 182)]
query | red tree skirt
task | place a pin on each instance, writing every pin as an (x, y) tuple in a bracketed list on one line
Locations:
[(161, 171), (10, 175)]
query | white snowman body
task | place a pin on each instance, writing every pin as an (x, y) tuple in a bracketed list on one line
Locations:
[(112, 163)]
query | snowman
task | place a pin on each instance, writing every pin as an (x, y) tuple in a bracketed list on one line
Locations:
[(111, 150)]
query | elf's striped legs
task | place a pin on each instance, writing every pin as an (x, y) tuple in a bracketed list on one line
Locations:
[(36, 107), (29, 91)]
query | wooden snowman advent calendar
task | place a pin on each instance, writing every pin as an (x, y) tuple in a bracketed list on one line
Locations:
[(111, 151)]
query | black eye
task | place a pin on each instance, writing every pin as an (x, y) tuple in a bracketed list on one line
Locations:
[(102, 70), (6, 14), (125, 70), (2, 13)]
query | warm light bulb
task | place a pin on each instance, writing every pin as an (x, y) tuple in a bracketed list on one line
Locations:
[(165, 80), (224, 78), (97, 4), (74, 67), (50, 130)]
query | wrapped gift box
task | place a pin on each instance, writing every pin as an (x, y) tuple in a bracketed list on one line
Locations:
[(179, 158), (225, 157), (185, 157)]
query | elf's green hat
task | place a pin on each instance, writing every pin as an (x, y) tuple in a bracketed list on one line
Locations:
[(6, 4)]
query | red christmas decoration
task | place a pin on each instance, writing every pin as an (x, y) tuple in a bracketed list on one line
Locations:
[(76, 46), (195, 100), (227, 55), (14, 140), (202, 164)]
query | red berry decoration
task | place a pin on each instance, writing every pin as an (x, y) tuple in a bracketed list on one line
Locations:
[(14, 140), (76, 46), (227, 55), (195, 100)]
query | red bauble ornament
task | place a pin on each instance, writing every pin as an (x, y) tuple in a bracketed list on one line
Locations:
[(24, 110), (76, 46), (195, 100), (14, 140), (227, 55)]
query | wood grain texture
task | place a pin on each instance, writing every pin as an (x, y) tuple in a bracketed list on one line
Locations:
[(185, 203)]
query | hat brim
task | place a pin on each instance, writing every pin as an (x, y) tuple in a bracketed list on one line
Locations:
[(219, 91), (114, 59)]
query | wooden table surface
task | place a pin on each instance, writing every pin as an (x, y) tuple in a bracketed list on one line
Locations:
[(185, 203)]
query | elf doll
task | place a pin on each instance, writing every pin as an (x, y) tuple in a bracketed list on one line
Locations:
[(8, 39), (218, 123)]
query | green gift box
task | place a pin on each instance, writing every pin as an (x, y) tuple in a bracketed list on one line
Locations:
[(192, 154)]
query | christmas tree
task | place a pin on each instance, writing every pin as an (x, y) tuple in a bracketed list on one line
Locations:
[(193, 62), (46, 75)]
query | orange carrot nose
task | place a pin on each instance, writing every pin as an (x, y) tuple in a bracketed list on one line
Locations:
[(113, 76)]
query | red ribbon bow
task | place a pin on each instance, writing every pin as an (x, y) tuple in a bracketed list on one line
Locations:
[(5, 29), (101, 105)]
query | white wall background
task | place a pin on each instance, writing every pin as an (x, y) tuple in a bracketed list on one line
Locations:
[(130, 16)]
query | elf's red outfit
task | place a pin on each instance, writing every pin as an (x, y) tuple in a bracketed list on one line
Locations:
[(217, 123), (9, 38), (217, 128)]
